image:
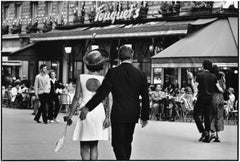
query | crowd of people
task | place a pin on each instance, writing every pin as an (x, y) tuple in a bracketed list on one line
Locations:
[(170, 104), (44, 97), (16, 95)]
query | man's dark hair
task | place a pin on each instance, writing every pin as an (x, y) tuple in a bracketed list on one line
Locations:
[(207, 65), (42, 66), (125, 53)]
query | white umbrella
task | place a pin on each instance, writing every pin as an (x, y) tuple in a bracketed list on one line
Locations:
[(60, 142)]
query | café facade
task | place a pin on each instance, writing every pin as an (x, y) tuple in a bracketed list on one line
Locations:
[(150, 38)]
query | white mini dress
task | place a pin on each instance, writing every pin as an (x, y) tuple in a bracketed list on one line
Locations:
[(90, 129)]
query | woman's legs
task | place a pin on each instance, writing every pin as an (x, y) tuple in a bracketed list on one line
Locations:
[(57, 106), (217, 138), (89, 150), (94, 150)]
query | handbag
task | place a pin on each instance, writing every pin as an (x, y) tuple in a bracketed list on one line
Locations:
[(226, 95)]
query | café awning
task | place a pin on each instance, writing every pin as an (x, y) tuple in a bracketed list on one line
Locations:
[(38, 51), (11, 63), (216, 42), (155, 28)]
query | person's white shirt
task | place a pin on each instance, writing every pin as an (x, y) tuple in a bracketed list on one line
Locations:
[(231, 101), (14, 92)]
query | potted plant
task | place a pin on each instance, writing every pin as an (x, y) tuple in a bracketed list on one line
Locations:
[(169, 8), (201, 7)]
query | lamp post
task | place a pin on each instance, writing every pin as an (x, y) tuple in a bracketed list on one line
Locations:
[(152, 53), (68, 50)]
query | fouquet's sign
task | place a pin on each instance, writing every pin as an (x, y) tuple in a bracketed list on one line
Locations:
[(116, 15)]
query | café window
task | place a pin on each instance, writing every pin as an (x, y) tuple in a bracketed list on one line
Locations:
[(48, 8), (34, 10), (18, 10), (5, 12), (157, 75)]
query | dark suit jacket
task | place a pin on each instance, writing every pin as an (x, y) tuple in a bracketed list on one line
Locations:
[(54, 86), (126, 84)]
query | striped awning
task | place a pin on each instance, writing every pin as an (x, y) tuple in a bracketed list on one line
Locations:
[(150, 29)]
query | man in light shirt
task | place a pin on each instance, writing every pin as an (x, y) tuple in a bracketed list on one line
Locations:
[(42, 89)]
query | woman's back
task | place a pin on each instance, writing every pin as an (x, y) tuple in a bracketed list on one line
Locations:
[(89, 84)]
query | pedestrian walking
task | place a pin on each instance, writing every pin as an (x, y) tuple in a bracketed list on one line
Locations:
[(126, 83), (217, 117), (54, 105), (42, 90), (93, 129), (206, 86)]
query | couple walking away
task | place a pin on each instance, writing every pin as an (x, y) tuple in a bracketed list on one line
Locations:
[(210, 103), (45, 87), (122, 85)]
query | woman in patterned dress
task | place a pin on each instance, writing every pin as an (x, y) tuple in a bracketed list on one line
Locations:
[(217, 117)]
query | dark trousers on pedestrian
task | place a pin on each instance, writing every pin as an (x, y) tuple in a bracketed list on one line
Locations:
[(122, 136), (54, 106), (44, 100), (203, 109)]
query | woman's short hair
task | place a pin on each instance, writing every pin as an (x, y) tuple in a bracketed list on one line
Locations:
[(95, 59)]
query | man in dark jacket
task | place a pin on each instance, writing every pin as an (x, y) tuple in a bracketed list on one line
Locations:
[(206, 84), (126, 83)]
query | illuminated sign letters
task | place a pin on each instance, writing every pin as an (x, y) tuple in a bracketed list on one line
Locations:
[(116, 15)]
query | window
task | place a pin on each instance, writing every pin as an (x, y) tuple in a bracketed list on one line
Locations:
[(48, 8), (6, 12), (158, 74), (34, 10), (18, 11)]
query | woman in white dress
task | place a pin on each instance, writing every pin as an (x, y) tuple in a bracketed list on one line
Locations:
[(94, 128)]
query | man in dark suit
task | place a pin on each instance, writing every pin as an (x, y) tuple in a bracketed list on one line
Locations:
[(126, 83), (206, 84)]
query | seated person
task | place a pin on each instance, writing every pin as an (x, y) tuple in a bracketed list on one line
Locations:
[(71, 90), (157, 97), (231, 98), (229, 104), (25, 91), (16, 93)]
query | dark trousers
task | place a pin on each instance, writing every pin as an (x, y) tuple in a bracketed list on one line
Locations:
[(44, 100), (203, 109), (53, 112), (122, 136)]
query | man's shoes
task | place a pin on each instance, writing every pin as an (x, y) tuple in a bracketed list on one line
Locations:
[(212, 137), (217, 139), (172, 120), (51, 121), (56, 120), (37, 121), (45, 122), (202, 138), (206, 139)]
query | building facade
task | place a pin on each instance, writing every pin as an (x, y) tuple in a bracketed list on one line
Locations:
[(36, 32)]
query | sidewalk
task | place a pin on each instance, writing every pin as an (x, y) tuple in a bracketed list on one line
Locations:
[(24, 139)]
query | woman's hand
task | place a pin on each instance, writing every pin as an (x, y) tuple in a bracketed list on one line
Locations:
[(106, 123), (68, 119)]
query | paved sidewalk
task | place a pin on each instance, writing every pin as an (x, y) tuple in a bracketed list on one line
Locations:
[(24, 139)]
